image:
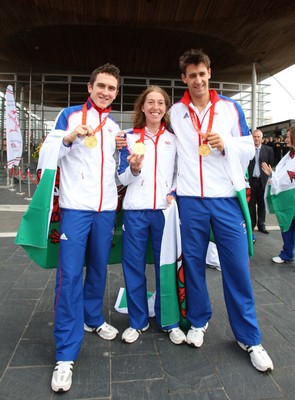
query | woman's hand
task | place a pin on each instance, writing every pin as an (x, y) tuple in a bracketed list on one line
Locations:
[(267, 169), (135, 162)]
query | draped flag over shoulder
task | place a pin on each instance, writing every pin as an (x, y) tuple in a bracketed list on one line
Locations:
[(38, 232), (235, 169), (280, 192), (14, 142)]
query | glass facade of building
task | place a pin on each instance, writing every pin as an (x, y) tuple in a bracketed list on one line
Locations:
[(40, 97)]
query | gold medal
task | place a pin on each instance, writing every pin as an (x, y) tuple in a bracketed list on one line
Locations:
[(204, 150), (138, 148), (90, 142)]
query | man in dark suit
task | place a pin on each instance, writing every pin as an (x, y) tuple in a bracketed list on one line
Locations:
[(257, 180)]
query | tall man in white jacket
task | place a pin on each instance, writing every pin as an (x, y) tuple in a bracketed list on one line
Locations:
[(213, 140), (84, 138)]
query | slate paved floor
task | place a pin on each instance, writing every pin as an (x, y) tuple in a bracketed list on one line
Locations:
[(152, 368)]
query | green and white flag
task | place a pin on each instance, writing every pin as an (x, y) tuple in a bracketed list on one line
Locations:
[(122, 307), (38, 232), (170, 261), (236, 169), (280, 192)]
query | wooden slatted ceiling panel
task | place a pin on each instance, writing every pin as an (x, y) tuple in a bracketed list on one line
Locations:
[(152, 10), (136, 34)]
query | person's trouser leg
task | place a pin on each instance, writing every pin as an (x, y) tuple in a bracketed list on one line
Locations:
[(260, 206), (134, 248), (97, 255), (230, 233), (195, 233), (253, 202), (68, 308), (287, 252)]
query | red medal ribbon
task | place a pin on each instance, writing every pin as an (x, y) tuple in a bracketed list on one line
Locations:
[(159, 132), (84, 117), (142, 133), (196, 122)]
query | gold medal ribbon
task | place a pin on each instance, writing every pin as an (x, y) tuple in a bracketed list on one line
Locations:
[(141, 131), (91, 142), (159, 132), (204, 148)]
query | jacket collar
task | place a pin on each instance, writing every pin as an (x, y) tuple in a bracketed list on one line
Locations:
[(91, 104), (214, 98)]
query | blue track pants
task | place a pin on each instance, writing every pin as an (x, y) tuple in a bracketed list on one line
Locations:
[(287, 252), (137, 226), (228, 225), (85, 236)]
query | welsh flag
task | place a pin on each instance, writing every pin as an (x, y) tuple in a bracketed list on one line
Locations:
[(122, 307), (172, 295), (237, 170), (38, 232), (280, 192)]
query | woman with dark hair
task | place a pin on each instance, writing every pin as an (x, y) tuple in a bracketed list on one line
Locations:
[(281, 198), (147, 166)]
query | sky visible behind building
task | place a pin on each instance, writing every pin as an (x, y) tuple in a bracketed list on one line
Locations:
[(282, 104)]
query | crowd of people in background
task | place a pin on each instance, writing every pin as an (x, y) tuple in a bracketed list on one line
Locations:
[(278, 144)]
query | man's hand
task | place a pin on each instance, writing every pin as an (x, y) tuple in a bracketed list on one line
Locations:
[(214, 140), (79, 131), (170, 199), (120, 140)]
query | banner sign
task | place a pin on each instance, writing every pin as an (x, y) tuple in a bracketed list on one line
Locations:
[(14, 142)]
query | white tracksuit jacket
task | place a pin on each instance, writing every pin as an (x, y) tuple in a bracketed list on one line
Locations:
[(211, 176), (149, 189), (87, 176)]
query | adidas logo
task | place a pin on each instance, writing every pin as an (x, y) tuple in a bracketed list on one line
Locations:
[(63, 237), (186, 115)]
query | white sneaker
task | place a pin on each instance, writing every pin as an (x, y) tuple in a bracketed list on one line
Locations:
[(62, 376), (176, 335), (130, 335), (259, 357), (279, 260), (217, 267), (105, 331), (195, 336)]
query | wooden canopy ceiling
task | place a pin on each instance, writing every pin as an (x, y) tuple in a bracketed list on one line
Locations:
[(146, 37)]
